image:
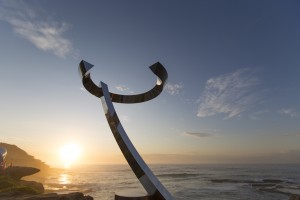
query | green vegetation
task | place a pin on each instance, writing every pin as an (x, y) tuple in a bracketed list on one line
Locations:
[(8, 184), (18, 157)]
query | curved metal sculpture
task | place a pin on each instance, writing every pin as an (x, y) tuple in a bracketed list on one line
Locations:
[(149, 181), (157, 68)]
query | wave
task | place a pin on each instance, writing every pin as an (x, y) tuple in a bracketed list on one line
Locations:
[(280, 186), (69, 187), (178, 175), (263, 181)]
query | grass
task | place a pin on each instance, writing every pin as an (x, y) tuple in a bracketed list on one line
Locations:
[(8, 184)]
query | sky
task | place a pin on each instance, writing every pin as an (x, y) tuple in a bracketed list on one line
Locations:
[(232, 94)]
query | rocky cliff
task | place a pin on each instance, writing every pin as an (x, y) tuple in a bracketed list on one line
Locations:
[(12, 187), (19, 157)]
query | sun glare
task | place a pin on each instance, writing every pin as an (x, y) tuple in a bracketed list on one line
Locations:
[(69, 153)]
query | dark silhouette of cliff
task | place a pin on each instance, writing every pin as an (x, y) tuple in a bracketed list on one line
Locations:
[(19, 157), (11, 187)]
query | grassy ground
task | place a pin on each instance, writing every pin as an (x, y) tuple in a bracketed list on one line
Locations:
[(8, 184)]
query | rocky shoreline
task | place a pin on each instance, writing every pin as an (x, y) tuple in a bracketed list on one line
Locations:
[(13, 188), (46, 196)]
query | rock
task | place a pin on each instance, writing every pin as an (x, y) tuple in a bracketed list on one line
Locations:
[(48, 196), (38, 187), (75, 196), (294, 197), (6, 182), (54, 196), (12, 188), (19, 157), (17, 172)]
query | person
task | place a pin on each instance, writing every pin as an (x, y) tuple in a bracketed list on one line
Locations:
[(2, 163)]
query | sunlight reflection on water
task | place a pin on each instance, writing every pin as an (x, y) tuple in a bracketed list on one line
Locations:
[(64, 179)]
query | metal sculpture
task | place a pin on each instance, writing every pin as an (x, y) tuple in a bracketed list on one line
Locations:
[(146, 177)]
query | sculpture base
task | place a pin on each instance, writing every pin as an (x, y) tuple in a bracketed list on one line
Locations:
[(133, 195)]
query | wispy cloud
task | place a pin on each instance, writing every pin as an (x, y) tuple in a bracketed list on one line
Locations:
[(229, 94), (257, 114), (197, 135), (287, 111), (122, 88), (31, 24), (173, 89)]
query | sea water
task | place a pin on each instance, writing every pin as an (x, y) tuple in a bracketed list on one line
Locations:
[(184, 182)]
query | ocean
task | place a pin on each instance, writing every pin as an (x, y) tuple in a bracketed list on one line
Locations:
[(184, 182)]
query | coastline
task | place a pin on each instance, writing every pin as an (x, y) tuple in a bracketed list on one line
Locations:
[(185, 181), (46, 196), (13, 187)]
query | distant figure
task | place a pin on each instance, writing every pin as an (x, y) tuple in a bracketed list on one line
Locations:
[(2, 163)]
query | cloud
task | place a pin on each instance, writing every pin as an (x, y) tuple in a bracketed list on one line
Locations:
[(44, 33), (287, 111), (197, 135), (257, 114), (173, 89), (122, 88), (229, 94)]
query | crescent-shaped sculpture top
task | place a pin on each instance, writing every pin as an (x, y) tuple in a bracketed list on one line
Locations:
[(157, 68)]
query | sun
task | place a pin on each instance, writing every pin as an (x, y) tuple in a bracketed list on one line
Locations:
[(69, 154)]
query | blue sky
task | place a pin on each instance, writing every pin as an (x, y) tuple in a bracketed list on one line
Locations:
[(232, 93)]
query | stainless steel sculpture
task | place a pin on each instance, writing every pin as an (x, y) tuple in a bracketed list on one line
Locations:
[(149, 181)]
